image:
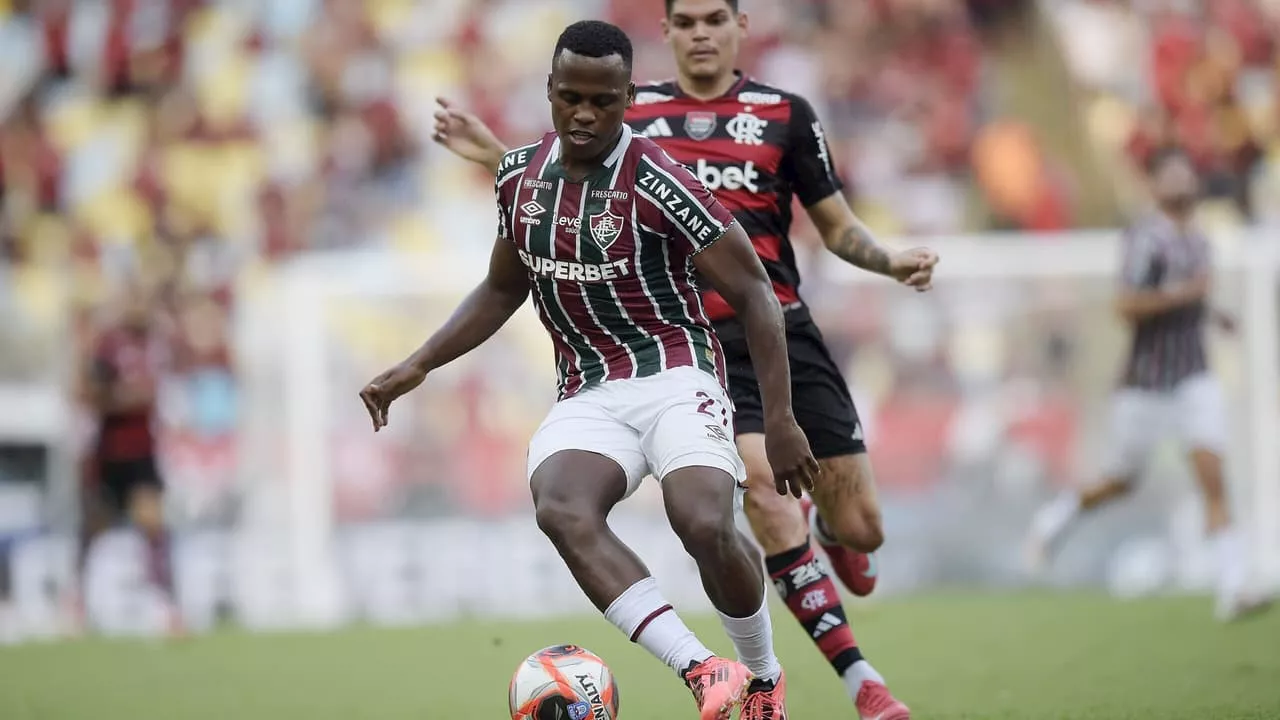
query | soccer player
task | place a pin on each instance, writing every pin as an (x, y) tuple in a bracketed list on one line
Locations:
[(756, 147), (607, 231), (121, 380), (1166, 383)]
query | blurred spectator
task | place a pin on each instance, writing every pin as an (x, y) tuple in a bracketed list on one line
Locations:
[(189, 142)]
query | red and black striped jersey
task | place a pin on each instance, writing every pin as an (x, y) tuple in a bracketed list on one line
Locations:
[(755, 147), (610, 259)]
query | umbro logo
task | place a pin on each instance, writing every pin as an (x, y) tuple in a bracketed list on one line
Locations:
[(532, 210), (657, 128)]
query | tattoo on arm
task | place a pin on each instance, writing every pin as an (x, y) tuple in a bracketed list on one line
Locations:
[(856, 246)]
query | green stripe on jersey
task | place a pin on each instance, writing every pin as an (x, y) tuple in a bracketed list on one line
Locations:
[(693, 221), (655, 268)]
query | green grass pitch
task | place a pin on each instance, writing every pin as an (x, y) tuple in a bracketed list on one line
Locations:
[(1020, 657)]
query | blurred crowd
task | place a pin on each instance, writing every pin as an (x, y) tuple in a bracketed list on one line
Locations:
[(177, 147)]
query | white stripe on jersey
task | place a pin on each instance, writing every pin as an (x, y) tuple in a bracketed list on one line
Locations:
[(586, 301), (644, 283), (528, 248), (688, 198)]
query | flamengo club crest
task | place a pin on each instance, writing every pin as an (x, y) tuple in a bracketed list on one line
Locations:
[(700, 125), (605, 228)]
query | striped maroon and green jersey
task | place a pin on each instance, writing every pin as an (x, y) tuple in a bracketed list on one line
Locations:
[(610, 259)]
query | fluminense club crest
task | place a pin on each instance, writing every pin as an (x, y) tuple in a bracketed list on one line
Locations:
[(605, 227)]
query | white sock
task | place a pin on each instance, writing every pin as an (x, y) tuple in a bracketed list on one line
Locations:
[(1053, 518), (753, 638), (644, 616), (857, 674), (1233, 566)]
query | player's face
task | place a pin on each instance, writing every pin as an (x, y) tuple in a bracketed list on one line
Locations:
[(705, 35), (588, 99), (1176, 183)]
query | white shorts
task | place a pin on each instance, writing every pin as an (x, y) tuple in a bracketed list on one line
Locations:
[(655, 425), (1194, 411)]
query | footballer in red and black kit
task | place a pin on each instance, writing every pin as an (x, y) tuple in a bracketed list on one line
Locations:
[(757, 147), (123, 374)]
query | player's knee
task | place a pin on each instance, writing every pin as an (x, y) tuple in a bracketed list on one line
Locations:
[(707, 531), (861, 529), (564, 518)]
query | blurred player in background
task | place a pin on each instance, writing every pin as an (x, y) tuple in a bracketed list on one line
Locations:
[(756, 147), (1167, 384), (607, 230), (121, 380)]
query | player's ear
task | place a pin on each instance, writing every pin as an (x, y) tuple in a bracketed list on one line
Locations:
[(548, 87), (631, 94), (666, 30), (744, 23)]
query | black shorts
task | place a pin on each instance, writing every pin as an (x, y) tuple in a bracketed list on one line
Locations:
[(118, 478), (819, 396)]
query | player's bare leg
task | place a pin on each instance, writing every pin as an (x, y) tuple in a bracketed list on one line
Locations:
[(845, 518), (781, 528), (146, 512), (573, 493), (1232, 601), (1051, 522), (699, 502)]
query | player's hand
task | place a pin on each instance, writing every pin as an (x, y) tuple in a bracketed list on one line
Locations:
[(794, 469), (465, 135), (914, 268), (382, 390)]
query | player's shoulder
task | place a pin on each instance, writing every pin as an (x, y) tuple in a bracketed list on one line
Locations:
[(516, 160), (646, 152), (758, 94)]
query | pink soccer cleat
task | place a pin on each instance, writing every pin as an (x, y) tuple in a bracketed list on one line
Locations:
[(766, 700), (718, 686), (874, 702)]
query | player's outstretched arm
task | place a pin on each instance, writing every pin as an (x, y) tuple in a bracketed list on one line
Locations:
[(1134, 304), (846, 236), (484, 311), (734, 269), (465, 135)]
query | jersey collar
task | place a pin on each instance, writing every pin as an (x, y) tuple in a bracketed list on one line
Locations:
[(734, 89)]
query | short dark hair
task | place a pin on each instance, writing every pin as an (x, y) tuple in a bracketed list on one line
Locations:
[(595, 39), (733, 5)]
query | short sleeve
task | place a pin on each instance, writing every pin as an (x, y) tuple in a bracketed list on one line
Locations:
[(687, 212), (503, 231), (807, 164), (1140, 267)]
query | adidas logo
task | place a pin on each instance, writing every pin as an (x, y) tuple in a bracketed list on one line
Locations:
[(825, 624), (657, 128)]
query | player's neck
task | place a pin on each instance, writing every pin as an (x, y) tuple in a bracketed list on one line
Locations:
[(708, 88), (579, 169)]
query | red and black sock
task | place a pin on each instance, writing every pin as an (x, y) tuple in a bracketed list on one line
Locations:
[(804, 584)]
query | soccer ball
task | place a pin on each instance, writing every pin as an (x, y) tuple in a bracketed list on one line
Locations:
[(563, 682)]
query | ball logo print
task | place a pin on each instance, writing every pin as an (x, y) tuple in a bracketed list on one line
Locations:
[(747, 129), (605, 228)]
